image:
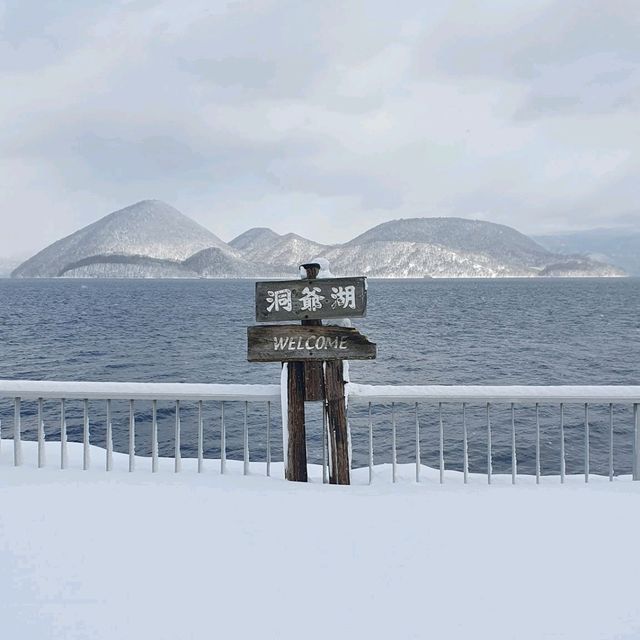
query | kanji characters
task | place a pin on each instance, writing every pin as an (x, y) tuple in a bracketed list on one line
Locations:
[(311, 297), (311, 300), (280, 299), (344, 297)]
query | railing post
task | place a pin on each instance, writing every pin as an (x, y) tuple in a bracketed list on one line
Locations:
[(636, 444), (537, 443), (370, 446), (200, 438), (324, 435), (223, 441), (489, 456), (109, 454), (86, 455), (514, 454), (586, 442), (245, 441), (17, 442), (41, 439), (64, 454), (441, 448), (132, 437), (465, 444), (418, 461), (178, 453), (394, 455), (154, 436), (562, 456), (611, 442)]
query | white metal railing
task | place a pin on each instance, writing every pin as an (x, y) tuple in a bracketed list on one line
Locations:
[(19, 390), (506, 395), (361, 397)]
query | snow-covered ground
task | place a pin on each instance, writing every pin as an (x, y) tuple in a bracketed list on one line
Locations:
[(120, 555)]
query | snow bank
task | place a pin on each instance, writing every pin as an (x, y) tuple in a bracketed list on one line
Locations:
[(119, 555)]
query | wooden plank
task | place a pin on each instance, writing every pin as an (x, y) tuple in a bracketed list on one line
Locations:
[(313, 387), (297, 440), (311, 299), (337, 423), (289, 343)]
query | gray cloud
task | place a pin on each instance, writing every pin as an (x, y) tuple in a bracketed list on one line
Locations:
[(322, 118)]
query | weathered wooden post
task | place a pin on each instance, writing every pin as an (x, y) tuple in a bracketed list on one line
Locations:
[(313, 371), (304, 382), (296, 468), (338, 430), (314, 355)]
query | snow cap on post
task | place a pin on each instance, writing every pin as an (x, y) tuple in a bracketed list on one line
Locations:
[(323, 266), (324, 271)]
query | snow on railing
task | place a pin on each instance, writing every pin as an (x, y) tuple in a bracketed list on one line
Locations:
[(131, 401)]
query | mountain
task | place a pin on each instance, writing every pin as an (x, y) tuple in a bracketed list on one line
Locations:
[(418, 247), (620, 247), (254, 238), (147, 239), (452, 247), (577, 267), (494, 241), (398, 259), (151, 239), (266, 246), (214, 261)]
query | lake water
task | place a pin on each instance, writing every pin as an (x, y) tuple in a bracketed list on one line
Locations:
[(564, 331)]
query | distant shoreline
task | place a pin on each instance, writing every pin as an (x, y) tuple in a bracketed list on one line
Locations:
[(534, 278)]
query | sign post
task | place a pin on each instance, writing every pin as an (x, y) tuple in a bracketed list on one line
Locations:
[(314, 355), (313, 371)]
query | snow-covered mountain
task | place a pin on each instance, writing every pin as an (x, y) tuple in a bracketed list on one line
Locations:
[(399, 259), (419, 247), (152, 239), (253, 239), (266, 246), (496, 241), (147, 239), (452, 247)]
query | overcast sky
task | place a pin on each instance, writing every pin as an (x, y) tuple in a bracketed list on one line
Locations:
[(323, 118)]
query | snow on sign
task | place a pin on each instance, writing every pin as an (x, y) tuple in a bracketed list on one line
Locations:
[(283, 343), (311, 299)]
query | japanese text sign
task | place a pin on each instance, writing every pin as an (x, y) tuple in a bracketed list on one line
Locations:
[(311, 299)]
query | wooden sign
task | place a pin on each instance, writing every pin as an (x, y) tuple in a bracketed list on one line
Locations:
[(311, 299), (286, 343)]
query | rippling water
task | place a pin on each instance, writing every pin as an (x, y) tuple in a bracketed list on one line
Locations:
[(582, 331)]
